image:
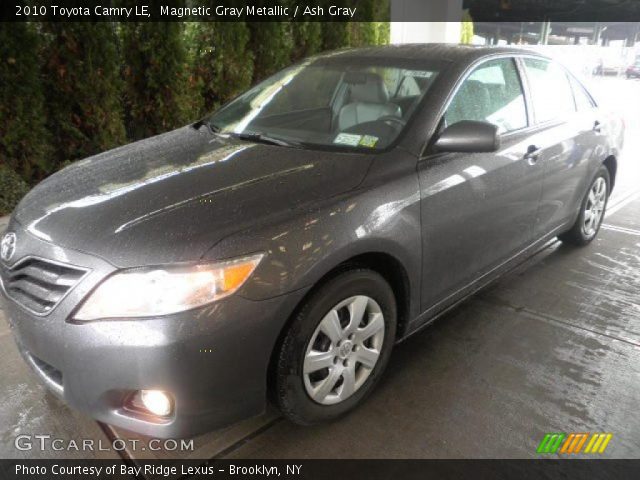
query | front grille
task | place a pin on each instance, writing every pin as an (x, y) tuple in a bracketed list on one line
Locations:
[(39, 285)]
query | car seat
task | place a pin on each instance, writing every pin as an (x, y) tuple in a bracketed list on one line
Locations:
[(368, 101)]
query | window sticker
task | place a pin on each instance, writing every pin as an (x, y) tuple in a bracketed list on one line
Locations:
[(348, 139), (417, 73), (368, 141)]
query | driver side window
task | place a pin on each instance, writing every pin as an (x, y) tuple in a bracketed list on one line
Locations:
[(492, 93)]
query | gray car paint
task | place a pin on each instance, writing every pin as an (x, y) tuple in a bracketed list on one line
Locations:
[(189, 196)]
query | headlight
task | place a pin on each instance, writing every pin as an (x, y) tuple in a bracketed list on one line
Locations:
[(165, 290)]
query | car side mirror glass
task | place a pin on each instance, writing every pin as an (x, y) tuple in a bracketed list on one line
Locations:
[(468, 136)]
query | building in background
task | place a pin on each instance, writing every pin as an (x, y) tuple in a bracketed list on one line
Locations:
[(604, 48)]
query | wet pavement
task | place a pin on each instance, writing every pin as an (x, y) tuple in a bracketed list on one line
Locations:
[(552, 347)]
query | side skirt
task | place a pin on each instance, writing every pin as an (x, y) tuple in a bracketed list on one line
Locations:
[(450, 302)]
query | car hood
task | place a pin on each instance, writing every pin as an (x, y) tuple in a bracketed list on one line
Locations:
[(172, 197)]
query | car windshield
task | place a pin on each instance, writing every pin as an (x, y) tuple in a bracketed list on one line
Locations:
[(359, 104)]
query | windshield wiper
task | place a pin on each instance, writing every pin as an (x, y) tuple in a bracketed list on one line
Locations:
[(262, 138), (214, 128), (210, 126)]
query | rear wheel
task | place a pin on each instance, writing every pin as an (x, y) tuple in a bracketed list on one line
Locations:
[(592, 210), (336, 348)]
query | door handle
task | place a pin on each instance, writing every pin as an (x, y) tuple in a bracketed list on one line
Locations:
[(532, 155), (597, 127)]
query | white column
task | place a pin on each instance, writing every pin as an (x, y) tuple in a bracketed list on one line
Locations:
[(439, 21)]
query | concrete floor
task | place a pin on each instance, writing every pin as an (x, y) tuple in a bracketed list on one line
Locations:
[(552, 347)]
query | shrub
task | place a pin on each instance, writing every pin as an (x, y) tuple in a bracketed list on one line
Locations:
[(24, 139), (271, 44), (307, 39), (222, 64), (157, 91), (363, 34), (98, 77), (370, 33), (384, 33), (335, 35), (83, 88), (12, 189)]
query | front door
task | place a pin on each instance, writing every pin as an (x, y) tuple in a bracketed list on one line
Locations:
[(479, 209)]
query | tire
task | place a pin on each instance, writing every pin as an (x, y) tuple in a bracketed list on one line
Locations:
[(581, 233), (343, 294)]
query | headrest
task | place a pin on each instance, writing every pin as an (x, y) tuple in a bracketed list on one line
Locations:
[(368, 88)]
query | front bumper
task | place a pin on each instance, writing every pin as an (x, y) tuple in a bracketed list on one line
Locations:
[(213, 360)]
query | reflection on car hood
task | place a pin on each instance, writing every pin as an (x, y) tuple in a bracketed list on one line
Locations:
[(171, 197)]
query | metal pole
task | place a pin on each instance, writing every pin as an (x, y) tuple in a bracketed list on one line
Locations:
[(595, 40), (545, 30)]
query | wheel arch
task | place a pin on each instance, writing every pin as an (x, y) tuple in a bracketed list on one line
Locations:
[(611, 162), (386, 264)]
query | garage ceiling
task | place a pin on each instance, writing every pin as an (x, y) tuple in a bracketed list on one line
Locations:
[(554, 10)]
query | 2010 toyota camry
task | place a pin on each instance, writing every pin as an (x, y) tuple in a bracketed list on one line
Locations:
[(279, 248)]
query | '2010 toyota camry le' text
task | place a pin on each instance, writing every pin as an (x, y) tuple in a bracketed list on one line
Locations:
[(279, 248)]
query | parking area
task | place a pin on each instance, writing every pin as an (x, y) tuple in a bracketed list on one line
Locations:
[(552, 347)]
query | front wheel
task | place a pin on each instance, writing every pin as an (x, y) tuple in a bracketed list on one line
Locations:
[(336, 348), (592, 210)]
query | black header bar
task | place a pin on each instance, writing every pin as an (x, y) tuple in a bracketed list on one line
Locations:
[(320, 10)]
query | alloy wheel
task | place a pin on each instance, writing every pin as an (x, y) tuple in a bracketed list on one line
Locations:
[(594, 208), (343, 350)]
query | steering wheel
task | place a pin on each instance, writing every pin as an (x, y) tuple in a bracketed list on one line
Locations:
[(392, 119)]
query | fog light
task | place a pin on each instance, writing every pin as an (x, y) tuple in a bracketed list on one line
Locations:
[(157, 402)]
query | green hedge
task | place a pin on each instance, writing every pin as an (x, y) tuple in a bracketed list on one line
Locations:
[(70, 90), (307, 39), (222, 61), (335, 35), (12, 189), (24, 138), (156, 74), (272, 45), (83, 88)]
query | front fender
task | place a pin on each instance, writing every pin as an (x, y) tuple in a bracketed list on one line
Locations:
[(303, 247)]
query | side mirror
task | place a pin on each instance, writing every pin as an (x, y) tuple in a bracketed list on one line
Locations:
[(470, 137)]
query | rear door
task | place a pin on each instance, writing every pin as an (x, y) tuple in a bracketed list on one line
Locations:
[(478, 209), (566, 139)]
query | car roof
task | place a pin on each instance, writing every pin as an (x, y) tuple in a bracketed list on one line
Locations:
[(429, 51)]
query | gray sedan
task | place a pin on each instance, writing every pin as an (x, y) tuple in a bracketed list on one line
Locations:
[(279, 248)]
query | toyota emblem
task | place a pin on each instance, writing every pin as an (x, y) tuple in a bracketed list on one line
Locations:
[(8, 246)]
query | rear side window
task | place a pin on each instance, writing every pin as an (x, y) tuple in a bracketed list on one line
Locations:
[(550, 90), (492, 93), (583, 100)]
